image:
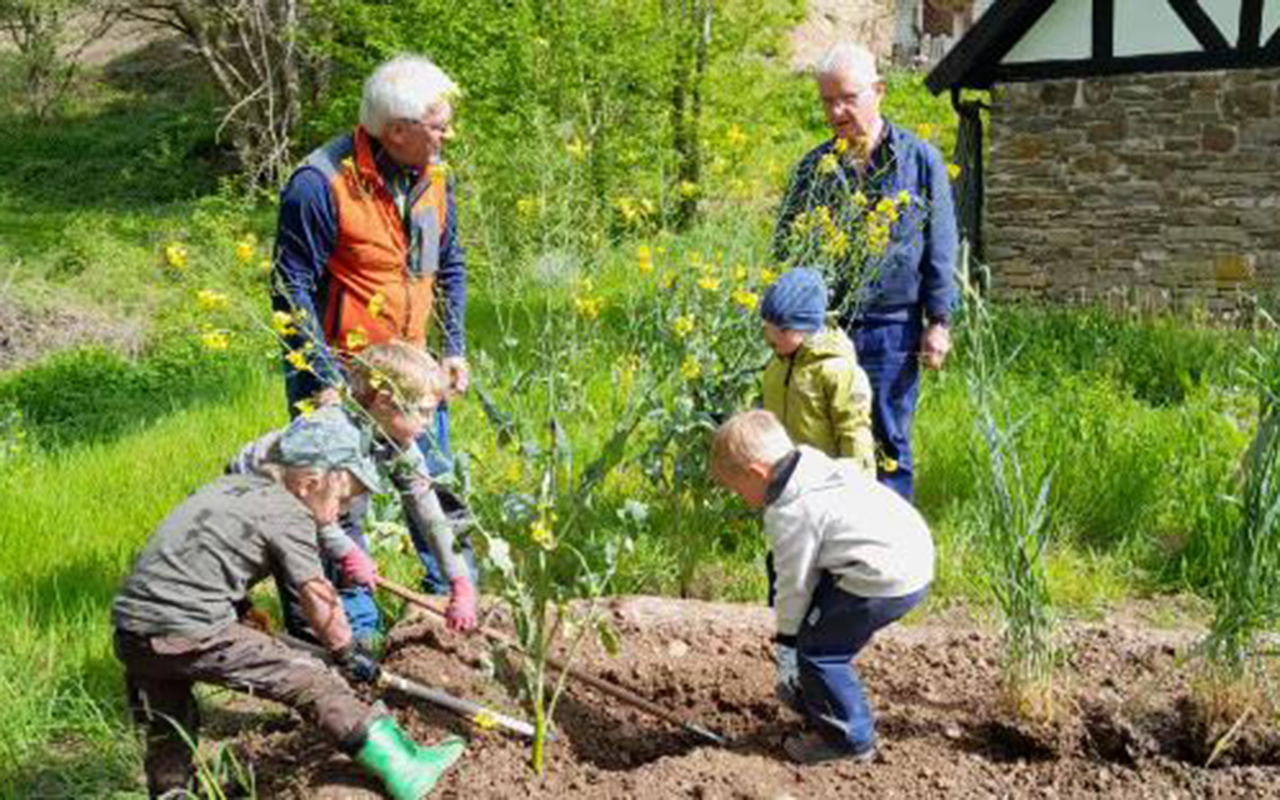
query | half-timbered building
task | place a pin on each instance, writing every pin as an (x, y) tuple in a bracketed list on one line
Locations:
[(1134, 149)]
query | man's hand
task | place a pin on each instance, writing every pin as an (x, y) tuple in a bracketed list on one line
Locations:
[(357, 666), (461, 613), (787, 683), (358, 568), (936, 345), (459, 373)]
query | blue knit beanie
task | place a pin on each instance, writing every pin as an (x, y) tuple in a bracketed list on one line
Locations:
[(797, 301)]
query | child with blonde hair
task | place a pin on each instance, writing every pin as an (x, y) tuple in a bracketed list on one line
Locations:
[(851, 556), (395, 388)]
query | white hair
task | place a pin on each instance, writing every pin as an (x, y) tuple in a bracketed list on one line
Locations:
[(849, 59), (405, 87)]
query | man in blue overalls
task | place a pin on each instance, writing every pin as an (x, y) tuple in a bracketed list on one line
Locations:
[(894, 296)]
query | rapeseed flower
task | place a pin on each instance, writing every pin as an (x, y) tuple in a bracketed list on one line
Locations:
[(708, 282), (485, 720), (689, 189), (860, 199), (377, 304), (577, 148), (282, 323), (357, 338), (588, 307), (298, 360), (953, 171), (645, 254), (768, 277), (215, 340), (540, 533), (841, 146), (734, 137), (209, 300), (526, 207), (924, 130), (682, 326), (746, 299), (690, 369), (246, 248), (903, 198), (828, 164), (175, 255), (306, 408)]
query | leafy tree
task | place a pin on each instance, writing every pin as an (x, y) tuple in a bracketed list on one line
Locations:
[(48, 47)]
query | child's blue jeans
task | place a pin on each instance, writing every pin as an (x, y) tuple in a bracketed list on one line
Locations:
[(834, 631)]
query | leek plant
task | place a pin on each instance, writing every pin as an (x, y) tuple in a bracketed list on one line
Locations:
[(1014, 517), (1248, 587)]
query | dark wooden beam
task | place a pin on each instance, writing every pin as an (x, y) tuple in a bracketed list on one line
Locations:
[(1104, 29), (1200, 25), (1250, 24), (986, 43), (1199, 61)]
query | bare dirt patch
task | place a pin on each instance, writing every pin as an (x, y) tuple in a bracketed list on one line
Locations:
[(933, 684), (29, 333)]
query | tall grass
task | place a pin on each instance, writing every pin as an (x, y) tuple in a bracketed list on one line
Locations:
[(1014, 524), (70, 523), (1247, 590)]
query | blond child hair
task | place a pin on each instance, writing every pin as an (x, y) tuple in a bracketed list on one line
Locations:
[(407, 372), (752, 437)]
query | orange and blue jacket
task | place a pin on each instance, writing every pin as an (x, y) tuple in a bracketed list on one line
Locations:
[(362, 247)]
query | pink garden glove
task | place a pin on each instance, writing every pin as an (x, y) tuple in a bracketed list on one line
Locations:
[(461, 614), (357, 567)]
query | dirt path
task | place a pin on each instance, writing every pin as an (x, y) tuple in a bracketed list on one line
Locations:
[(933, 685)]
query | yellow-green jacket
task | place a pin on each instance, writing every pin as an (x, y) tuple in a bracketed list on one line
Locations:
[(823, 398)]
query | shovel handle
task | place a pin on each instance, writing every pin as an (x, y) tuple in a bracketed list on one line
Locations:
[(599, 684)]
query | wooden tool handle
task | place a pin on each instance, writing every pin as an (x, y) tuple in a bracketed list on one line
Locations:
[(599, 684)]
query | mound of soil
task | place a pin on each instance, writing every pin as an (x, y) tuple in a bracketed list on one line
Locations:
[(933, 685)]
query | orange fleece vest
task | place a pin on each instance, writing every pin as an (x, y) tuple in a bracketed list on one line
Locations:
[(382, 269)]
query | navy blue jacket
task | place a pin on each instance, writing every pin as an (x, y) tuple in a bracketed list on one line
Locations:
[(916, 273)]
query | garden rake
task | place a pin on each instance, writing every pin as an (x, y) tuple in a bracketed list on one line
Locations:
[(604, 687), (472, 711)]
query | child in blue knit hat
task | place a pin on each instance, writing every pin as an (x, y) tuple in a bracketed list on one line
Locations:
[(813, 383)]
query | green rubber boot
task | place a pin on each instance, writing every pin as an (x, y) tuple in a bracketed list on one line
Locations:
[(408, 771)]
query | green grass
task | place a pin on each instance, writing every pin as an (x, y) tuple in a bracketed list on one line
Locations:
[(71, 522)]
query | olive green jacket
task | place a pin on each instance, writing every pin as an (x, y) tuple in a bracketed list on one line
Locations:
[(823, 398)]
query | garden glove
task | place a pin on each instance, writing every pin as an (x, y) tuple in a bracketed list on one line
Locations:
[(461, 613), (358, 568), (356, 665), (787, 683)]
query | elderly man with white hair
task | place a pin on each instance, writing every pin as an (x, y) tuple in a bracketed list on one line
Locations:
[(895, 299), (366, 240)]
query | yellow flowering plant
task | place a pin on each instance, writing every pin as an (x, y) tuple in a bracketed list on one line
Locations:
[(842, 218)]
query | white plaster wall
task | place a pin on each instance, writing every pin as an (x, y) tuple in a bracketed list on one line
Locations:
[(1226, 15), (1270, 18), (1064, 32), (1145, 27)]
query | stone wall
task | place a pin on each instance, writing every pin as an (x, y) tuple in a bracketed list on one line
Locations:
[(1155, 191)]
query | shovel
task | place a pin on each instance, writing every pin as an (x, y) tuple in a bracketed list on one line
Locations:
[(474, 712), (604, 687)]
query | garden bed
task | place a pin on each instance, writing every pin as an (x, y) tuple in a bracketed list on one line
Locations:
[(933, 683)]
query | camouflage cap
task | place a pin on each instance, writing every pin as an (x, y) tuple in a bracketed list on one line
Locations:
[(328, 439)]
